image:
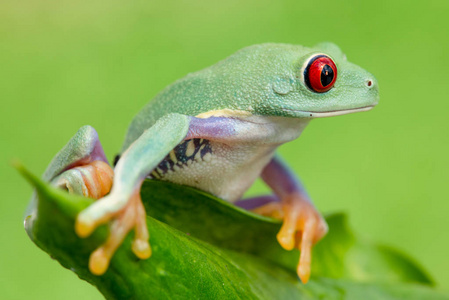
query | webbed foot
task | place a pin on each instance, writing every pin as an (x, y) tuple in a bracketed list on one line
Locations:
[(81, 168), (123, 216), (302, 227), (92, 180)]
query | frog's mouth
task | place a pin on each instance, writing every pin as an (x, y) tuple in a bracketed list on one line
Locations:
[(330, 113)]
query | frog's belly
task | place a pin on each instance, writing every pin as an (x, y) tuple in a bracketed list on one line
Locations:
[(226, 171)]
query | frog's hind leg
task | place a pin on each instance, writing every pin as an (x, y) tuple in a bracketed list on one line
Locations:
[(81, 166), (93, 180)]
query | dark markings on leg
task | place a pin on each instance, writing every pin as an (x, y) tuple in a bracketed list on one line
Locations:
[(184, 154), (116, 158)]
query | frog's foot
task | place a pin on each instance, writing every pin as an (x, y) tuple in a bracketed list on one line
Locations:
[(124, 216), (92, 180), (302, 227)]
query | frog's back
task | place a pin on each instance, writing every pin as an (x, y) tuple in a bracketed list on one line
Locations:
[(239, 82)]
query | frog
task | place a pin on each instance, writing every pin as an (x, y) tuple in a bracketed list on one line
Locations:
[(218, 130)]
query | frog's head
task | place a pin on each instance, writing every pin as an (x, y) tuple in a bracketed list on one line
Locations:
[(310, 82)]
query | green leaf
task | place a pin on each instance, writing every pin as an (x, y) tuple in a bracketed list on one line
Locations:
[(206, 248)]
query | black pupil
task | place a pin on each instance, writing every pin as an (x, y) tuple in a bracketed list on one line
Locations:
[(327, 75)]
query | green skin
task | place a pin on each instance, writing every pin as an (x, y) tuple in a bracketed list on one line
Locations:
[(245, 81), (244, 107)]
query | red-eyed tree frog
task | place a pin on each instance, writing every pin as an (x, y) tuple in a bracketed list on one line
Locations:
[(218, 130)]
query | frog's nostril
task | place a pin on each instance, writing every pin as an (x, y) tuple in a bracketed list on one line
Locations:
[(369, 83)]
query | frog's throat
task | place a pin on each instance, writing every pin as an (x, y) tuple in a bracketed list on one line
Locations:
[(231, 113), (324, 114)]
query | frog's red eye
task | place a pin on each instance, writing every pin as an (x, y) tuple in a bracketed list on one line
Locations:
[(320, 73)]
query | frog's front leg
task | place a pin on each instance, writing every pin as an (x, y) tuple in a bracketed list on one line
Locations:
[(302, 223), (123, 205)]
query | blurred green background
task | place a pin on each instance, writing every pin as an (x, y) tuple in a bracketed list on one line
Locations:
[(69, 63)]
